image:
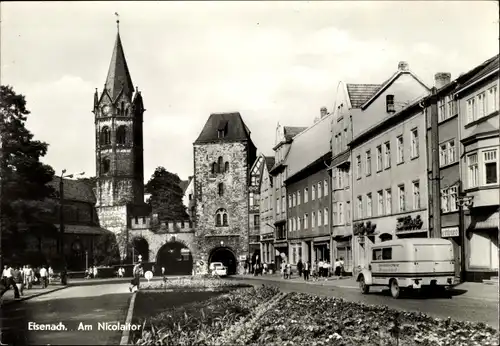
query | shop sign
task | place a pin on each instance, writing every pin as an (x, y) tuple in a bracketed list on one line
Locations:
[(449, 232), (243, 257)]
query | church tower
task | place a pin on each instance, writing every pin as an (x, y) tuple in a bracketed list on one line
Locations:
[(118, 114)]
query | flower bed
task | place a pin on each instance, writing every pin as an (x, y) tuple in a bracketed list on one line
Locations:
[(302, 319), (202, 322), (191, 284)]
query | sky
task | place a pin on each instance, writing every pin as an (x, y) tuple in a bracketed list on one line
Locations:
[(271, 61)]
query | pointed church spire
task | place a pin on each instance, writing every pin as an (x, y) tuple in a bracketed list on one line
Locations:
[(118, 74)]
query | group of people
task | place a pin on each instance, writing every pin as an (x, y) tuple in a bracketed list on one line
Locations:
[(20, 277), (255, 268), (91, 272), (317, 269)]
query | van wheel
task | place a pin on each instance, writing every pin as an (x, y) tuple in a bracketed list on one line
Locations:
[(395, 290), (363, 286)]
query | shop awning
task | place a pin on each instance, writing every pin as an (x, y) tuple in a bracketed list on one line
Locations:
[(412, 231)]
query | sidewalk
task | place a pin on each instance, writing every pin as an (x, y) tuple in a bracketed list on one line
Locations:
[(471, 290), (8, 297)]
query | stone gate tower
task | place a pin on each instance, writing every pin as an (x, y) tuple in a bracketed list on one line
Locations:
[(118, 114)]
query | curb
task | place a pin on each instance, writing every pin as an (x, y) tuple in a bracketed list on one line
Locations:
[(34, 295), (128, 321)]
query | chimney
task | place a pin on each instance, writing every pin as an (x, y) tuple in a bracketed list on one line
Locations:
[(324, 112), (441, 79), (403, 66)]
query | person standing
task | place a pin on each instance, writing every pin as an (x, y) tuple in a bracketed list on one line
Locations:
[(5, 275), (307, 268), (137, 272), (8, 272), (299, 267), (51, 274), (29, 277), (18, 277), (341, 266), (43, 277)]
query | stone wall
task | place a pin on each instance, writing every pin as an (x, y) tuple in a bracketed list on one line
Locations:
[(208, 236), (114, 219)]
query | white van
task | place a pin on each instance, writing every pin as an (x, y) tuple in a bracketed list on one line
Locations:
[(410, 263)]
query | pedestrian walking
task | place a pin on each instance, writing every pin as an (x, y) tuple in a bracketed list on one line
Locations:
[(137, 272), (94, 274), (44, 277), (337, 267), (163, 271), (5, 275), (307, 268), (342, 266), (320, 268), (29, 276), (300, 267), (51, 274), (10, 282), (17, 276)]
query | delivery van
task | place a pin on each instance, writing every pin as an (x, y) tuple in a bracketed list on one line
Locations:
[(411, 263)]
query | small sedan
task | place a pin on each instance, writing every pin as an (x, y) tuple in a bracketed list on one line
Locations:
[(218, 269)]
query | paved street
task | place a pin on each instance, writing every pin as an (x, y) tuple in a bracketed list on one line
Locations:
[(460, 305), (89, 304)]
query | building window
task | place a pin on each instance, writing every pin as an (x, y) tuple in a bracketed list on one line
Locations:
[(447, 153), (387, 154), (289, 201), (414, 143), (214, 168), (402, 198), (325, 217), (368, 163), (492, 99), (401, 149), (221, 218), (380, 203), (341, 220), (320, 194), (416, 195), (360, 207), (389, 102), (335, 216), (253, 181), (294, 200), (306, 195), (313, 195), (471, 110), (121, 135), (379, 158), (452, 107), (473, 170), (347, 212), (481, 105), (369, 205), (320, 218), (105, 165), (325, 187), (388, 201), (298, 197), (278, 208), (490, 167), (313, 221), (441, 110), (283, 204), (220, 163), (297, 223), (358, 166), (220, 133), (306, 221), (340, 179), (226, 167), (334, 178), (449, 199), (105, 136), (221, 193)]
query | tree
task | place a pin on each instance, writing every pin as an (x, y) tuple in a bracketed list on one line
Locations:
[(24, 179), (166, 195)]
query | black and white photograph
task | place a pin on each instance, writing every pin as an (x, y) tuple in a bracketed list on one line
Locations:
[(279, 173)]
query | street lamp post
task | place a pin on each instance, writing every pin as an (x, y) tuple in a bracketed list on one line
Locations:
[(61, 210)]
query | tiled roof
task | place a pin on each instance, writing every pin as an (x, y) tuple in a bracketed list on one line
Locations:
[(82, 229), (292, 131), (184, 184), (485, 68), (118, 74), (309, 146), (77, 190), (360, 93), (236, 130), (269, 162)]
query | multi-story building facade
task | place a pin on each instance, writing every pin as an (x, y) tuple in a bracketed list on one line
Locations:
[(479, 164), (266, 212), (223, 156), (284, 138), (308, 193), (254, 205), (389, 171)]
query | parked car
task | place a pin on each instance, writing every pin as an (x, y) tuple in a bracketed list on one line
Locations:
[(217, 268), (406, 264)]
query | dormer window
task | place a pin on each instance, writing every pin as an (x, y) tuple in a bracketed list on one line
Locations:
[(222, 129), (220, 134), (389, 101)]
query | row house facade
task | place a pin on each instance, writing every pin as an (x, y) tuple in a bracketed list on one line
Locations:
[(254, 205), (478, 105), (266, 211), (369, 120), (284, 138), (308, 194)]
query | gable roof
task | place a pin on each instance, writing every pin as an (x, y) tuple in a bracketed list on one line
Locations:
[(184, 184), (233, 123), (269, 162), (482, 70), (118, 74), (309, 145), (76, 190), (360, 93), (292, 131)]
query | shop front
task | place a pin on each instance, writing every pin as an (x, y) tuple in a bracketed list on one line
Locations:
[(267, 248), (280, 253), (321, 248), (343, 250), (453, 234)]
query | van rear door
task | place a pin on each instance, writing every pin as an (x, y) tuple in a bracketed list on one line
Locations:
[(434, 258)]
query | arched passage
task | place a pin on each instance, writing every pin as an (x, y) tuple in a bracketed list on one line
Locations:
[(226, 256), (140, 246), (176, 258)]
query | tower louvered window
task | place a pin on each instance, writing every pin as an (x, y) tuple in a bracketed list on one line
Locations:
[(105, 136), (121, 135)]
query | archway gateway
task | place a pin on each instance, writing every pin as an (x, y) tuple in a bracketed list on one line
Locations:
[(226, 256), (176, 258), (140, 246)]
